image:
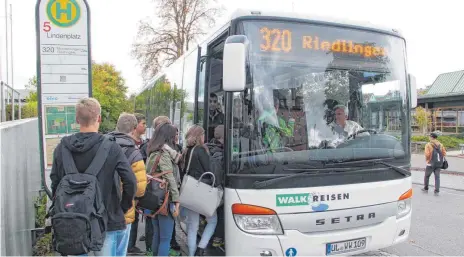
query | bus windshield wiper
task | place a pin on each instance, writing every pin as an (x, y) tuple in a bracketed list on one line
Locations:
[(376, 161), (265, 183)]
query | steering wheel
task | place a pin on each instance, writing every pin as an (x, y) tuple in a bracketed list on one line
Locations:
[(359, 132)]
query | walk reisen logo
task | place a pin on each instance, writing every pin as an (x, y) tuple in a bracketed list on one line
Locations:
[(63, 13), (315, 200)]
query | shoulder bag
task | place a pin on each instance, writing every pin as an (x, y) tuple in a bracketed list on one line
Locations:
[(198, 196)]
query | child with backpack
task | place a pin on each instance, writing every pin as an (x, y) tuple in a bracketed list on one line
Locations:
[(435, 154)]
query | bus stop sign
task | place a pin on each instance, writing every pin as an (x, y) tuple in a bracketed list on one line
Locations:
[(64, 72)]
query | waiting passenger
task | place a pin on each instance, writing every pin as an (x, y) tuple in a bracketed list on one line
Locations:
[(163, 225), (125, 129), (148, 224), (199, 164), (77, 152), (216, 150), (141, 144)]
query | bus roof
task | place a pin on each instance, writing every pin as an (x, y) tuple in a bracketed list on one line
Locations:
[(240, 13)]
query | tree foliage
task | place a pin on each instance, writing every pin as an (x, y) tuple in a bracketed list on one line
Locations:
[(423, 91), (110, 90), (157, 100), (422, 119), (180, 22)]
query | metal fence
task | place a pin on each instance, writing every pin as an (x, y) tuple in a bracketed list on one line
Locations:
[(9, 97)]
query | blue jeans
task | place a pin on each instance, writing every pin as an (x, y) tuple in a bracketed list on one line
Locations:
[(162, 234), (193, 222), (115, 244)]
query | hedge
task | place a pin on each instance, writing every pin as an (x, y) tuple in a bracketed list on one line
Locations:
[(447, 141)]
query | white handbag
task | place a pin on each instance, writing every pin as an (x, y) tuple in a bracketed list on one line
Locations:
[(198, 196)]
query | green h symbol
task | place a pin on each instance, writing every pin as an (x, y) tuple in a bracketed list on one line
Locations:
[(60, 11)]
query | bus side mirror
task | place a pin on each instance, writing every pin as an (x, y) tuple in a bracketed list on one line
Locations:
[(234, 63), (412, 83)]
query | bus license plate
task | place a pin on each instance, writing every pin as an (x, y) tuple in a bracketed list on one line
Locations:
[(345, 246)]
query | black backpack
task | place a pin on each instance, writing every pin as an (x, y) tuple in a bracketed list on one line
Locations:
[(130, 153), (437, 157), (78, 215)]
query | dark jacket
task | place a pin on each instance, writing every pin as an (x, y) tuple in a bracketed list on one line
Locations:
[(200, 164), (134, 156), (83, 147), (143, 149)]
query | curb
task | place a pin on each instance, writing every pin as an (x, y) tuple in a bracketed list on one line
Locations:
[(448, 172)]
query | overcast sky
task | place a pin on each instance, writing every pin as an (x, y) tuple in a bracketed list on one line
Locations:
[(433, 32)]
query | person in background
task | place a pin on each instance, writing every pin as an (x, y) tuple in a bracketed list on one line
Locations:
[(216, 117), (199, 164), (139, 132), (216, 150), (274, 125), (429, 160), (163, 225)]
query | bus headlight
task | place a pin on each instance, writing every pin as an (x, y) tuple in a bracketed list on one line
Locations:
[(404, 204), (256, 220)]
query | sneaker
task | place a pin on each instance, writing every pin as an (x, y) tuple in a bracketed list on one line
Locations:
[(149, 253), (217, 242), (436, 193), (142, 238), (135, 250), (424, 190)]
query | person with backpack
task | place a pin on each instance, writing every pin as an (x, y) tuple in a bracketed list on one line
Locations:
[(148, 237), (125, 129), (435, 154), (87, 215), (161, 163), (141, 144)]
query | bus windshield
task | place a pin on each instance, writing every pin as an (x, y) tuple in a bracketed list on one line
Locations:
[(318, 94)]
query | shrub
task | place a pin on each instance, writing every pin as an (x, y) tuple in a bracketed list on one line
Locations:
[(449, 142)]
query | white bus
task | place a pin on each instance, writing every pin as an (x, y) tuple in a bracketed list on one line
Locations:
[(313, 164)]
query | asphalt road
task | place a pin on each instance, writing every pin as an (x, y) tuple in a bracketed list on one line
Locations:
[(437, 224)]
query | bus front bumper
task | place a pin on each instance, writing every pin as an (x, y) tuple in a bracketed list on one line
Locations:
[(294, 243)]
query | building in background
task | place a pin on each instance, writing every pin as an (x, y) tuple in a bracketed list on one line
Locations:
[(444, 102)]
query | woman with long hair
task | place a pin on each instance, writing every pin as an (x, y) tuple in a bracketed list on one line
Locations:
[(163, 225), (199, 164)]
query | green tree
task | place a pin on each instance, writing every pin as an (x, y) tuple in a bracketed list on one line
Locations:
[(110, 90), (30, 109), (422, 119), (157, 100)]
